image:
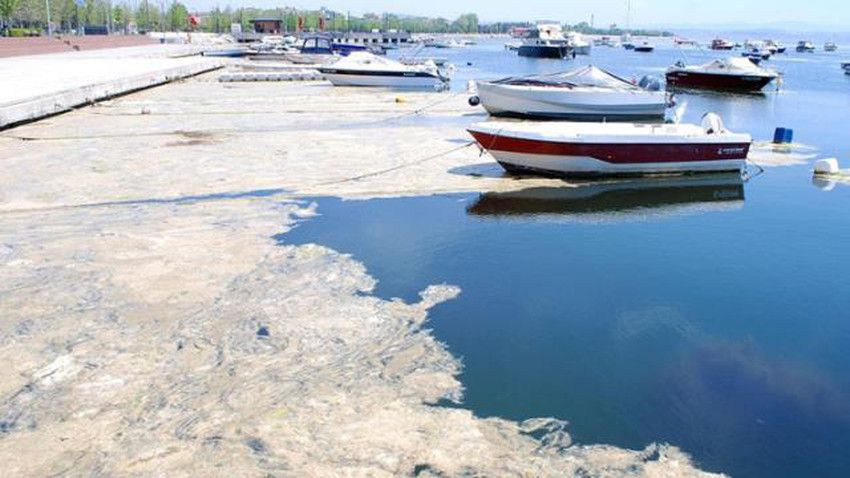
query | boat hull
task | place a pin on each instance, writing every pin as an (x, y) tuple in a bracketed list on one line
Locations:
[(581, 159), (581, 49), (689, 79), (543, 51), (342, 77), (565, 103)]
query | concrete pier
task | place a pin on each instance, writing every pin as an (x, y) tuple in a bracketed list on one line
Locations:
[(35, 86)]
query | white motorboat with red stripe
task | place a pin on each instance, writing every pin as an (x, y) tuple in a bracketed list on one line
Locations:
[(600, 149)]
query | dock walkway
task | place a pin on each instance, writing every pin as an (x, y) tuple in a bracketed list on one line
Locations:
[(36, 86)]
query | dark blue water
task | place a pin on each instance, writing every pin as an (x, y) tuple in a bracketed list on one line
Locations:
[(708, 313)]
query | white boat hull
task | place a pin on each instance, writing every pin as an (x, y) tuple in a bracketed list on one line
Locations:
[(581, 49), (580, 103), (341, 79), (588, 166), (612, 149)]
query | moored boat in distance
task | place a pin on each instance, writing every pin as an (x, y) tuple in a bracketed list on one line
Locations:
[(588, 93), (721, 44), (846, 67), (756, 54), (644, 47), (545, 41), (730, 74), (578, 44), (606, 149), (366, 69), (804, 46), (830, 46), (774, 46)]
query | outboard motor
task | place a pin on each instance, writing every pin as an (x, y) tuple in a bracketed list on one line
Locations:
[(712, 124), (650, 83)]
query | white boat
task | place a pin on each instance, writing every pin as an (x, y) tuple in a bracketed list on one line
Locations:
[(545, 41), (585, 93), (804, 46), (731, 74), (578, 44), (644, 47), (830, 46), (602, 149), (774, 46), (366, 69)]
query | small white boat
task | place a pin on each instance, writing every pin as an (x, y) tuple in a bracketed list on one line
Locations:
[(644, 47), (804, 46), (585, 93), (594, 149), (578, 44), (830, 46), (730, 74), (545, 41), (366, 69)]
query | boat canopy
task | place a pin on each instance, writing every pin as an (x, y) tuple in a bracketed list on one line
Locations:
[(734, 65), (589, 76)]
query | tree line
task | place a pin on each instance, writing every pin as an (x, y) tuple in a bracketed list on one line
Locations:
[(132, 16)]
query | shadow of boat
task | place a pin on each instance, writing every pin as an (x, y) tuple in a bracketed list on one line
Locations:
[(633, 199)]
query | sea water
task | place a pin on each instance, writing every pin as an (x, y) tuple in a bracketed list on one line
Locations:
[(712, 314)]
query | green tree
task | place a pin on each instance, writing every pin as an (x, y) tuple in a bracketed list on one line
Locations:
[(7, 9), (178, 16), (467, 23)]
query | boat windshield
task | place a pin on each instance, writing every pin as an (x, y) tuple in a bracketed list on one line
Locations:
[(589, 76)]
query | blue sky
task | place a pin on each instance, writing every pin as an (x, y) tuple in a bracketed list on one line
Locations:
[(834, 14)]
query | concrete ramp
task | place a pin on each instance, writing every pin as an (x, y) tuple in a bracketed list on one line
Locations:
[(33, 87)]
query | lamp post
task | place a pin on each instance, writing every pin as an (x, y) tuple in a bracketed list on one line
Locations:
[(49, 26)]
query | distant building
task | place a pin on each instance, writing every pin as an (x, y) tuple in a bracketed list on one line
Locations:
[(267, 26), (375, 37)]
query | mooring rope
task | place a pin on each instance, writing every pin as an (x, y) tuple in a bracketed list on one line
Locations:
[(398, 166)]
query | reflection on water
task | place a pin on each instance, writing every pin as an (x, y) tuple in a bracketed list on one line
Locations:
[(724, 333), (635, 198)]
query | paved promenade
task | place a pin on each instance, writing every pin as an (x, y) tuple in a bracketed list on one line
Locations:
[(35, 86)]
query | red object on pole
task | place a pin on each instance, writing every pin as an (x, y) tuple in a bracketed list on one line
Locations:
[(194, 20)]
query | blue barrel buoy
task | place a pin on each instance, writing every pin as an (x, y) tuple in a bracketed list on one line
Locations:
[(779, 136), (783, 135)]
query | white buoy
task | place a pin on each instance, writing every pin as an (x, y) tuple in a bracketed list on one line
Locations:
[(827, 166)]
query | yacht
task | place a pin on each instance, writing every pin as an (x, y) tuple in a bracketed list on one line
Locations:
[(805, 47), (579, 45), (721, 44), (830, 46), (587, 93), (734, 74), (644, 47), (366, 69), (545, 41), (774, 46)]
